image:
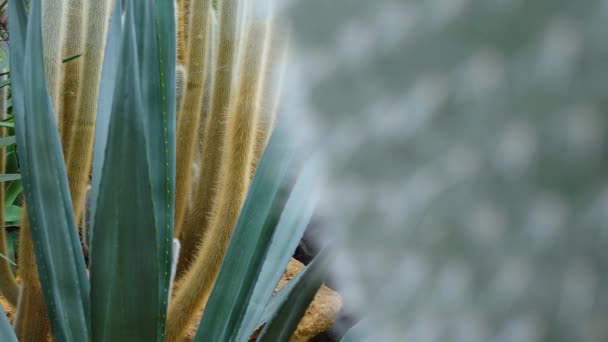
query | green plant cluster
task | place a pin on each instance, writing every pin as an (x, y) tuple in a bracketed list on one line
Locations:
[(105, 110)]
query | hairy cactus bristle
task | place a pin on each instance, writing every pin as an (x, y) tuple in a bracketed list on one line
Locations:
[(234, 177), (182, 11), (79, 149), (188, 118), (193, 229), (54, 14), (180, 81), (31, 320), (215, 122), (273, 70)]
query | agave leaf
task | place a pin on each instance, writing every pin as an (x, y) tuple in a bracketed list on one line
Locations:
[(6, 330), (282, 324), (107, 83), (124, 267), (155, 24), (275, 302), (286, 236), (237, 274), (58, 255)]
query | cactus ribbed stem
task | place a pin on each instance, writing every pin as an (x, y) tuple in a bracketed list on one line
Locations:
[(70, 72), (31, 321), (54, 13), (273, 70), (81, 122), (194, 289), (215, 123), (182, 11), (193, 229), (189, 114)]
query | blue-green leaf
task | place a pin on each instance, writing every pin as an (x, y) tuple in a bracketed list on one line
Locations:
[(282, 324), (107, 85), (57, 247), (288, 233), (6, 330), (248, 249), (275, 302), (158, 51), (155, 24), (124, 266)]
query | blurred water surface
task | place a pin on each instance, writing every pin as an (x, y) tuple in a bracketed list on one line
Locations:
[(467, 159)]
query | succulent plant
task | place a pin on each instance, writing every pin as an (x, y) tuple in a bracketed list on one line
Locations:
[(95, 89)]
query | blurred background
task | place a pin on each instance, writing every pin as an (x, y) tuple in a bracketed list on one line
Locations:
[(466, 195)]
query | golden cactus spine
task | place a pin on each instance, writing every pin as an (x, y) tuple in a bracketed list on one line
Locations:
[(230, 21), (191, 102), (240, 123)]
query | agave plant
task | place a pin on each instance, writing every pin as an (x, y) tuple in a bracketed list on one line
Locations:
[(172, 158)]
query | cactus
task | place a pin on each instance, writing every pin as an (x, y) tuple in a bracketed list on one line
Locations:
[(164, 241)]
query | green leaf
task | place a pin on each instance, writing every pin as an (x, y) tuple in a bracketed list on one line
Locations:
[(6, 330), (7, 124), (5, 83), (107, 84), (12, 163), (12, 191), (275, 302), (12, 213), (125, 271), (155, 24), (248, 247), (9, 177), (283, 323), (286, 236), (56, 244), (12, 244), (6, 141)]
